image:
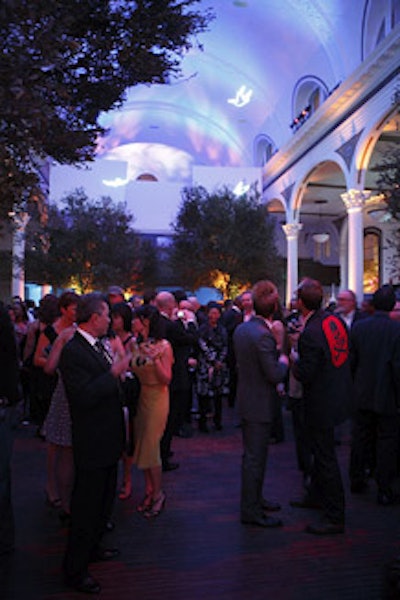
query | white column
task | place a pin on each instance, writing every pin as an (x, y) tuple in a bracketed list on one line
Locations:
[(19, 222), (292, 231), (354, 201)]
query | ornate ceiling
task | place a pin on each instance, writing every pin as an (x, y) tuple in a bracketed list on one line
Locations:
[(239, 86)]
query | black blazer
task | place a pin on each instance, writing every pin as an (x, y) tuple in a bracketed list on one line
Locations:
[(184, 343), (375, 363), (95, 401), (9, 370), (323, 368)]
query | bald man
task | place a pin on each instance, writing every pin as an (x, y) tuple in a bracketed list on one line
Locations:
[(182, 337)]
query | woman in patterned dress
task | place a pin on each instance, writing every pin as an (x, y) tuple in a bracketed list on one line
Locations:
[(212, 374)]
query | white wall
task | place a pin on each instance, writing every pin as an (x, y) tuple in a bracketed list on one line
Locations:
[(153, 204)]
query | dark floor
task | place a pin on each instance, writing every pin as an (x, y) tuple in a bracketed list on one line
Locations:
[(197, 548)]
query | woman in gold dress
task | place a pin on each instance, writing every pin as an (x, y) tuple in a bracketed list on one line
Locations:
[(152, 363)]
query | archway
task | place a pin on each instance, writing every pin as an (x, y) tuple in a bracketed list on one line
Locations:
[(380, 149), (322, 214)]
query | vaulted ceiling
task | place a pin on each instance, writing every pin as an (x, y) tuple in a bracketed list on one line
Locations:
[(238, 86)]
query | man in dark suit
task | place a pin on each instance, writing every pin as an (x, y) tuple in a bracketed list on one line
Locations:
[(323, 367), (181, 338), (91, 382), (9, 395), (231, 318), (375, 362), (260, 368)]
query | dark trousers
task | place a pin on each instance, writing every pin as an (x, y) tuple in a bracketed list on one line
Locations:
[(205, 406), (255, 438), (91, 504), (170, 427), (184, 407), (374, 440), (8, 424), (326, 480), (277, 429), (232, 382), (302, 441)]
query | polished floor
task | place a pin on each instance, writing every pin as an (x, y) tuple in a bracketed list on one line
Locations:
[(197, 548)]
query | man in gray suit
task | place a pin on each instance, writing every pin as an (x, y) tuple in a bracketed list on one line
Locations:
[(260, 368)]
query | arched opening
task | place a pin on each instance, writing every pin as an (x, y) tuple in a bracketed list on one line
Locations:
[(146, 177), (372, 260), (380, 16), (322, 214), (382, 175), (309, 93), (264, 149)]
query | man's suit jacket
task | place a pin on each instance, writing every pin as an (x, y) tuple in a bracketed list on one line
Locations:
[(9, 372), (95, 402), (183, 340), (375, 363), (230, 320), (258, 370), (324, 370)]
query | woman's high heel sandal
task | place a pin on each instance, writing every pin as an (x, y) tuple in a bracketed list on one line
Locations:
[(156, 507), (125, 491), (52, 503), (146, 503)]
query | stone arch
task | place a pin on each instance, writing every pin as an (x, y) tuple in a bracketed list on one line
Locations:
[(377, 142), (327, 176), (277, 209), (319, 208), (368, 145)]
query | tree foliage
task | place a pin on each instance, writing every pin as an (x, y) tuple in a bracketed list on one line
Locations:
[(388, 180), (87, 243), (223, 241), (64, 62), (388, 183)]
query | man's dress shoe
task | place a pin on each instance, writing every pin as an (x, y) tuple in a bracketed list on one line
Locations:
[(170, 466), (263, 522), (270, 506), (109, 526), (305, 502), (103, 554), (387, 498), (325, 528), (87, 585)]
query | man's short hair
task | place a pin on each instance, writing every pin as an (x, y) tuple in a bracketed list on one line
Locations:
[(88, 305), (384, 298), (67, 298), (311, 293), (265, 297)]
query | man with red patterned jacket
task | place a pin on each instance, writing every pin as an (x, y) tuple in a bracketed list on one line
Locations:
[(323, 367)]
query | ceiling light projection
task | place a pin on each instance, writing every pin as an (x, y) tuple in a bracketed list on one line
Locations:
[(243, 97)]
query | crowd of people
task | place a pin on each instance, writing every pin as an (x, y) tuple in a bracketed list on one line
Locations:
[(107, 380)]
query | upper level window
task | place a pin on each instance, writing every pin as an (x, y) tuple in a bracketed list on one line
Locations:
[(264, 149), (379, 18), (308, 95)]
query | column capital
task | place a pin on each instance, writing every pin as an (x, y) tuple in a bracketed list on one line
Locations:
[(354, 200), (292, 230)]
